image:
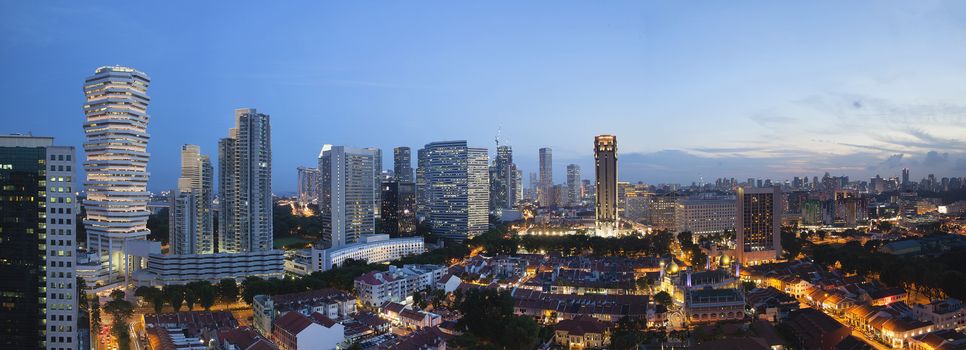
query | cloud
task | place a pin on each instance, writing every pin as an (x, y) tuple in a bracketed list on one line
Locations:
[(934, 159), (770, 118)]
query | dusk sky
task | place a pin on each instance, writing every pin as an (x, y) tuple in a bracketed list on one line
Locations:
[(717, 89)]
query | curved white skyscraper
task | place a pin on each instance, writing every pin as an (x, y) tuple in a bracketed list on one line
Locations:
[(116, 165)]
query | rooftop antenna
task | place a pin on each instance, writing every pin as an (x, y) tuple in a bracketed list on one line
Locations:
[(499, 130)]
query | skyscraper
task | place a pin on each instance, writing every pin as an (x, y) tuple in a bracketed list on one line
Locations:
[(308, 185), (38, 300), (347, 201), (116, 166), (517, 184), (605, 157), (458, 188), (545, 188), (245, 184), (905, 176), (573, 184), (398, 200), (422, 186), (190, 221), (758, 224), (377, 182), (534, 185), (403, 164), (502, 178)]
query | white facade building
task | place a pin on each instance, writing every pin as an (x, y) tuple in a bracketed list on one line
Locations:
[(165, 270), (702, 215), (348, 193), (245, 184), (190, 221), (376, 288), (371, 249), (116, 166), (308, 185)]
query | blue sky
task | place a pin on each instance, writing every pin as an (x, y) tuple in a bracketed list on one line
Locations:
[(691, 89)]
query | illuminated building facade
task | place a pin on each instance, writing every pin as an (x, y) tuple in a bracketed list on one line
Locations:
[(573, 184), (38, 300), (117, 159), (758, 224), (503, 179), (605, 157), (190, 220), (458, 184), (545, 187), (245, 184), (308, 185), (347, 197), (402, 162)]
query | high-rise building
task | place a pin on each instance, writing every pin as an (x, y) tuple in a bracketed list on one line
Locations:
[(398, 203), (605, 157), (308, 185), (573, 184), (905, 176), (190, 221), (705, 214), (245, 184), (347, 198), (517, 184), (662, 210), (544, 194), (534, 185), (589, 190), (116, 166), (758, 222), (458, 188), (377, 182), (402, 162), (38, 300), (422, 186), (502, 179)]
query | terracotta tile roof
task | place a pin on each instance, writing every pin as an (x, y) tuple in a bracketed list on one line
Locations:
[(322, 320), (418, 340), (393, 307), (582, 325), (292, 322), (412, 315), (245, 339)]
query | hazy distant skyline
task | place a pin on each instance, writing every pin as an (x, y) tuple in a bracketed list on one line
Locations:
[(751, 89)]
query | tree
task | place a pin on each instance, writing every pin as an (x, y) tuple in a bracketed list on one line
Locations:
[(117, 294), (228, 291), (190, 298), (419, 300), (686, 238), (663, 298), (119, 310), (627, 334), (698, 258), (157, 301), (791, 245), (144, 292), (119, 330), (206, 296), (82, 299), (95, 315), (644, 283), (519, 332), (174, 295)]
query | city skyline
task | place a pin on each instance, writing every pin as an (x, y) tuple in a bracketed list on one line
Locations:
[(874, 90)]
